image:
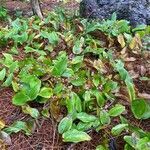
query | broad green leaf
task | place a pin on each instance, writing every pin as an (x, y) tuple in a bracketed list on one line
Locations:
[(70, 103), (104, 117), (2, 74), (101, 147), (21, 38), (13, 66), (65, 124), (17, 127), (78, 82), (131, 90), (96, 80), (110, 86), (31, 50), (78, 47), (100, 98), (33, 112), (58, 88), (75, 136), (128, 147), (130, 140), (138, 108), (52, 36), (127, 79), (117, 110), (143, 144), (78, 104), (60, 65), (120, 68), (8, 59), (20, 99), (73, 103), (118, 129), (45, 113), (114, 17), (139, 27), (123, 120), (87, 96), (68, 73), (146, 115), (46, 92), (128, 37), (77, 59), (81, 126), (15, 86), (84, 117), (31, 86), (8, 81)]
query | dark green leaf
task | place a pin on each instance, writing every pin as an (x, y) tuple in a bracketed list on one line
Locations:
[(104, 117), (8, 80), (117, 110), (77, 48), (46, 92), (65, 125), (118, 129), (33, 112), (138, 108), (84, 117), (60, 65), (17, 127), (2, 74), (20, 99)]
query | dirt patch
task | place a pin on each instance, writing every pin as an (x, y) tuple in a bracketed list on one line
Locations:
[(46, 5)]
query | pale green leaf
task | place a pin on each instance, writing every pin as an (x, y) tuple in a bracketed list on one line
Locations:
[(46, 92), (75, 136), (65, 124), (117, 110)]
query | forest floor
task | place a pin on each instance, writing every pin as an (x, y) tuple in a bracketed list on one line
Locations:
[(46, 5), (45, 136)]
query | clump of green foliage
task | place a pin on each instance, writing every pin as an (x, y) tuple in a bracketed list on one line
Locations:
[(3, 13), (66, 66)]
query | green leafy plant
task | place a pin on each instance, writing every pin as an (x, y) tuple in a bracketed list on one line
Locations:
[(67, 67), (3, 13)]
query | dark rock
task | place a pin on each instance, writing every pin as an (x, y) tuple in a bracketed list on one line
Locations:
[(135, 11)]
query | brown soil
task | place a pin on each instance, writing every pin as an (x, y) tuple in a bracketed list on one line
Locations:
[(46, 5)]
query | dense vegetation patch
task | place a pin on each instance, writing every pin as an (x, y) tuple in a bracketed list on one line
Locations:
[(70, 67)]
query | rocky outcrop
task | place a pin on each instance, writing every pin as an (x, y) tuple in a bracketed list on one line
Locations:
[(135, 11)]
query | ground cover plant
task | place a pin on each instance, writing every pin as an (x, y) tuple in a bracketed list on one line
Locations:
[(74, 71)]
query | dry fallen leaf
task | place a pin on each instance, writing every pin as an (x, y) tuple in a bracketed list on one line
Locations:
[(2, 145), (2, 124), (124, 51), (144, 95), (121, 40), (133, 74), (135, 42), (131, 59), (5, 138), (142, 70), (99, 65)]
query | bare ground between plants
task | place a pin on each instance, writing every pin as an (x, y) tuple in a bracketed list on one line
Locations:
[(46, 5)]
